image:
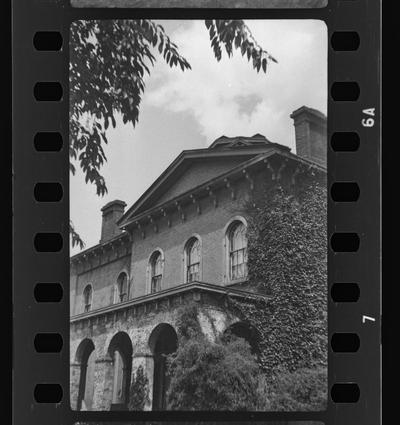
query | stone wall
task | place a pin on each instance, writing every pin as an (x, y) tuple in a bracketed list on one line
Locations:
[(138, 323)]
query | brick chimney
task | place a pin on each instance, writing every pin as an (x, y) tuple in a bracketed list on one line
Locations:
[(112, 212), (311, 139)]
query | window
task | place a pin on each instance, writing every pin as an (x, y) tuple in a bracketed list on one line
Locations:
[(87, 298), (237, 251), (156, 266), (122, 288), (193, 253)]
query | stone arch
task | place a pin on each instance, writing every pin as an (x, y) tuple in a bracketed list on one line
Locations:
[(85, 358), (246, 331), (120, 353), (162, 342)]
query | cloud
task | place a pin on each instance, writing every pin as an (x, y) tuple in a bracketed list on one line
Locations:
[(188, 110), (229, 97)]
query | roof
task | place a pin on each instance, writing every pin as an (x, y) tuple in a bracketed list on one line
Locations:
[(225, 142), (224, 147)]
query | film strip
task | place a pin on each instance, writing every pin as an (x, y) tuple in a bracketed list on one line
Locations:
[(41, 56)]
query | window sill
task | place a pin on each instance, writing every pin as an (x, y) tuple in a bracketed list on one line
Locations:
[(236, 281)]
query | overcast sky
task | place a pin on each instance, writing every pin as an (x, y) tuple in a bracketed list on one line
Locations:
[(188, 110)]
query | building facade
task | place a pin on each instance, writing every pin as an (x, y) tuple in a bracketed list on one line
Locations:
[(184, 240)]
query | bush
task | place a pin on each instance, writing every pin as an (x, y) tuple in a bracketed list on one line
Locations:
[(302, 390), (139, 391), (207, 375)]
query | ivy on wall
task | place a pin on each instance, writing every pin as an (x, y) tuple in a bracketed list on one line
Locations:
[(287, 262), (210, 375), (139, 390)]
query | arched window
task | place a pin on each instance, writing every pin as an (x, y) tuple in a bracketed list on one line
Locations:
[(122, 288), (87, 298), (192, 260), (237, 250), (156, 271)]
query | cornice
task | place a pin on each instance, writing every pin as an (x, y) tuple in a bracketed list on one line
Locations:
[(176, 291)]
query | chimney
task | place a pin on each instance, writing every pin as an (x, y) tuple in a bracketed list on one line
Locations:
[(112, 212), (311, 139)]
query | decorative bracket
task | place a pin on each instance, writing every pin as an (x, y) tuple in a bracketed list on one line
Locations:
[(164, 213), (196, 203), (141, 230), (295, 173), (212, 195), (229, 187), (270, 168), (155, 227), (181, 213), (250, 180), (281, 168)]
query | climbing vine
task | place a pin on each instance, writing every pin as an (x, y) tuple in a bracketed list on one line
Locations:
[(287, 262), (210, 375), (139, 390)]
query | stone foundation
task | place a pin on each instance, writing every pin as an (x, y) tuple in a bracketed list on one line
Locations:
[(139, 323)]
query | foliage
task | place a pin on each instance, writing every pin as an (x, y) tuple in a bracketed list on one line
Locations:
[(235, 34), (75, 238), (287, 260), (207, 375), (108, 64), (302, 390), (139, 390), (109, 59)]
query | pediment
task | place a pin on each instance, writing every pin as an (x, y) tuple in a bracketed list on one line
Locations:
[(190, 169)]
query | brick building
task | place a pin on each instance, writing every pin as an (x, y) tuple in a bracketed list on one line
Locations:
[(184, 239)]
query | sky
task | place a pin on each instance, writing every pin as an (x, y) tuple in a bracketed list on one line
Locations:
[(189, 110)]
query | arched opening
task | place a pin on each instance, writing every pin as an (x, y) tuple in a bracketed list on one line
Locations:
[(121, 288), (87, 298), (237, 250), (192, 260), (156, 271), (246, 331), (163, 341), (86, 356), (120, 351)]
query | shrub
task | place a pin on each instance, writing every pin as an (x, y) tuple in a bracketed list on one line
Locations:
[(208, 375), (139, 391), (302, 390)]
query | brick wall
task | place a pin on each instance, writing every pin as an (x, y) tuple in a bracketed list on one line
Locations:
[(209, 226), (102, 278)]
